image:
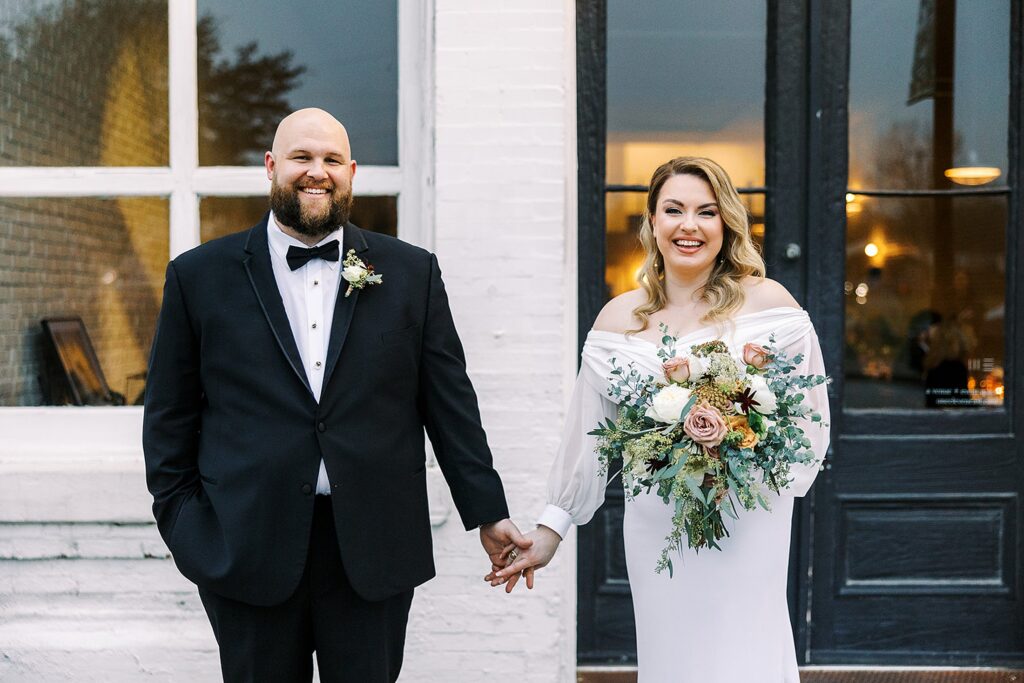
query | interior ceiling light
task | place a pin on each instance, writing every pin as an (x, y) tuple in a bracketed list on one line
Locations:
[(972, 175)]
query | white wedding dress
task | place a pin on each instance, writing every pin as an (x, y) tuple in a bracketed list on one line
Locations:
[(723, 616)]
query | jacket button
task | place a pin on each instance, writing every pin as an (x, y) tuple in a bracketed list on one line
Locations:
[(307, 489), (321, 427)]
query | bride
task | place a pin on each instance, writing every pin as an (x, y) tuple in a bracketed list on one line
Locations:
[(723, 616)]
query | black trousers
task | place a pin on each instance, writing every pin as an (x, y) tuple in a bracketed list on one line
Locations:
[(355, 640)]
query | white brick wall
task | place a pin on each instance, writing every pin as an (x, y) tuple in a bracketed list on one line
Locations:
[(98, 599), (505, 171)]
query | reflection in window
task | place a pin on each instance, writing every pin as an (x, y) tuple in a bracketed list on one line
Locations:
[(925, 287), (83, 83), (220, 216), (102, 260), (929, 92), (923, 330), (660, 106), (259, 60)]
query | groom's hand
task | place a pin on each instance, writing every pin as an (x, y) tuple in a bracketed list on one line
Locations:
[(499, 539), (544, 543)]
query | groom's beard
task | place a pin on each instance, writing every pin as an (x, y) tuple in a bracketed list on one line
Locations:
[(288, 209)]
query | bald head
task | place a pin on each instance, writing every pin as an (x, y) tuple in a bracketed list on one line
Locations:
[(310, 170), (300, 128)]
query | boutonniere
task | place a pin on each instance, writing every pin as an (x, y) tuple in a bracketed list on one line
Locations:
[(356, 273)]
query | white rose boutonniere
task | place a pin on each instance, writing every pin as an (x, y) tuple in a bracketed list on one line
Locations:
[(358, 274)]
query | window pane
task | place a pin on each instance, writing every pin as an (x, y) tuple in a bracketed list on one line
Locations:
[(623, 255), (220, 216), (260, 59), (83, 83), (102, 260), (907, 125), (925, 302), (686, 77), (660, 106)]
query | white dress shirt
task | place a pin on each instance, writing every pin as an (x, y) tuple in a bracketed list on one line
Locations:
[(309, 294)]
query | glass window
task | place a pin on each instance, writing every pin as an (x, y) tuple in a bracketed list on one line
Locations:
[(684, 78), (220, 216), (102, 260), (925, 274), (929, 91), (259, 60), (83, 84), (924, 302)]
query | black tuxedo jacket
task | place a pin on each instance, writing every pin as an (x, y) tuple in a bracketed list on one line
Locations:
[(233, 436)]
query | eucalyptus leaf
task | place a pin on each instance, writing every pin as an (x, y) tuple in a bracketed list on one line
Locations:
[(693, 484), (686, 408)]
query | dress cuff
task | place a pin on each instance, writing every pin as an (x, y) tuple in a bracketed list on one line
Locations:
[(556, 519)]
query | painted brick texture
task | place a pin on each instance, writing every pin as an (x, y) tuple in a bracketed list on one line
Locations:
[(501, 195)]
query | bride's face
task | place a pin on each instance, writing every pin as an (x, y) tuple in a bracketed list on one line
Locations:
[(688, 225)]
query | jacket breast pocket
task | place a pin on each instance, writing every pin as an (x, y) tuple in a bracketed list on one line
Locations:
[(407, 335)]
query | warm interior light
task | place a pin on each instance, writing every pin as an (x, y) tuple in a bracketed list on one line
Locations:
[(972, 175), (850, 197), (871, 249)]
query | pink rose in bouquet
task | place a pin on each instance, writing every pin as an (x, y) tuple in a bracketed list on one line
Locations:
[(677, 369), (756, 355), (705, 425)]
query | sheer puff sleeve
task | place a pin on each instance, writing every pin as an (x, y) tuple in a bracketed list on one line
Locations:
[(806, 344), (576, 484)]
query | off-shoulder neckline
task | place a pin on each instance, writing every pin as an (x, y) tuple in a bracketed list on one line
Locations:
[(623, 335)]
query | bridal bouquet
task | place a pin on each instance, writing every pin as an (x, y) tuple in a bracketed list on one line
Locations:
[(711, 436)]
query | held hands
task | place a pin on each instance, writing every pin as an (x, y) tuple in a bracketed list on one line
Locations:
[(543, 542), (499, 539)]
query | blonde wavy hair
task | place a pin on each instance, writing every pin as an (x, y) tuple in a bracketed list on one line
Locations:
[(738, 258)]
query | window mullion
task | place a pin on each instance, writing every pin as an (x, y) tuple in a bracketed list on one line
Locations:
[(84, 181), (415, 121), (183, 99)]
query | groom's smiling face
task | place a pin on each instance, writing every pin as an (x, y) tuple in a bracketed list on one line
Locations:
[(311, 170)]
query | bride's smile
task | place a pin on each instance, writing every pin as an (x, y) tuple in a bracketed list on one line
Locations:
[(688, 226)]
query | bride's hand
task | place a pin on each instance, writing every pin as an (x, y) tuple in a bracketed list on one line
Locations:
[(545, 543)]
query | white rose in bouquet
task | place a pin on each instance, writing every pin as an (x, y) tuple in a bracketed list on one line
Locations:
[(668, 403), (762, 393)]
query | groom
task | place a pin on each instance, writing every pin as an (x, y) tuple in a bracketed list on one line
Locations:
[(295, 367)]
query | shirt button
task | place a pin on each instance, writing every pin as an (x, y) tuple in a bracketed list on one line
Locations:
[(318, 362), (307, 489), (316, 282), (321, 427), (314, 326)]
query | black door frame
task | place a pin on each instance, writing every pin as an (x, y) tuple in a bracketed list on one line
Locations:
[(806, 100)]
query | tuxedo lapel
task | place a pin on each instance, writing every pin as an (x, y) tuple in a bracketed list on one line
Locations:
[(345, 305), (261, 276)]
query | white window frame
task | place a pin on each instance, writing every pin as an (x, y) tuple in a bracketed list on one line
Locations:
[(32, 430)]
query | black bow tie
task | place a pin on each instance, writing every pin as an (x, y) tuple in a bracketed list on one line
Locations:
[(298, 257)]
